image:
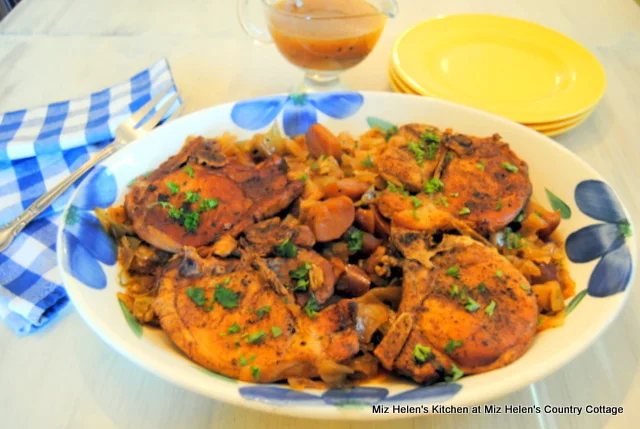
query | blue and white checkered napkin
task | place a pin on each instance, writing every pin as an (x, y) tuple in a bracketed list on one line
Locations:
[(38, 148)]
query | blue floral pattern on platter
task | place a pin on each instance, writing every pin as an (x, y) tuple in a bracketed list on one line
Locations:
[(87, 243), (350, 397), (603, 240), (299, 111)]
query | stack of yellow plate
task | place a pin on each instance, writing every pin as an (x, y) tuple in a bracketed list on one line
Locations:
[(514, 68)]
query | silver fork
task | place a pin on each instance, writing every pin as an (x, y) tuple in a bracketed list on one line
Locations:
[(125, 134)]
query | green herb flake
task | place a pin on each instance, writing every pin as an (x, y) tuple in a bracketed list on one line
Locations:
[(430, 136), (421, 353), (432, 151), (256, 337), (453, 272), (417, 151), (456, 374), (455, 290), (191, 221), (443, 201), (499, 273), (355, 240), (197, 295), (315, 165), (173, 187), (575, 301), (246, 361), (368, 162), (303, 178), (481, 165), (286, 249), (449, 156), (255, 372), (263, 311), (312, 307), (490, 308), (275, 331), (226, 297), (208, 204), (471, 305), (452, 345), (464, 210), (396, 189), (463, 293), (454, 194), (416, 202), (499, 205), (434, 185), (234, 329), (189, 171), (510, 167), (525, 287), (191, 197), (175, 213), (482, 288), (301, 275)]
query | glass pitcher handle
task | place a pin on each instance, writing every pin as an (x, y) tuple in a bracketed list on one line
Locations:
[(256, 34)]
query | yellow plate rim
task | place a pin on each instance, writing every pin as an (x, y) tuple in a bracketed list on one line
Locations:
[(524, 115)]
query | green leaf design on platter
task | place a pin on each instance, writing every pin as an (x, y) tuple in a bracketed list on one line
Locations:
[(72, 216), (379, 123), (558, 204), (215, 375), (575, 301), (133, 323)]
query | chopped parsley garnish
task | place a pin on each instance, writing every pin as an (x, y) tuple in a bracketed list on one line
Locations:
[(463, 292), (512, 240), (489, 308), (355, 240), (189, 171), (175, 213), (286, 249), (499, 205), (421, 353), (434, 185), (263, 311), (471, 305), (510, 167), (303, 178), (481, 164), (456, 374), (197, 295), (454, 194), (499, 273), (464, 210), (368, 162), (482, 288), (191, 197), (417, 151), (275, 331), (525, 286), (255, 372), (454, 291), (416, 202), (246, 361), (208, 204), (520, 217), (443, 201), (301, 275), (452, 345), (430, 136), (173, 187), (226, 297), (256, 337), (164, 204), (312, 307), (391, 132), (432, 150), (449, 156), (315, 165), (233, 329), (453, 272), (191, 221), (396, 189)]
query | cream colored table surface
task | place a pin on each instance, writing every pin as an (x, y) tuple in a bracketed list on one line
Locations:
[(65, 377)]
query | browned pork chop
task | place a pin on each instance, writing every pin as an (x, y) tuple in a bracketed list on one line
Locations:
[(199, 194), (470, 308), (247, 331), (485, 183)]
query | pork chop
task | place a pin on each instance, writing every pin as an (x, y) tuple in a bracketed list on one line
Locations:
[(199, 195)]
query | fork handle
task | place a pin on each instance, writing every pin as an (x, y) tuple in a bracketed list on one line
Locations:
[(13, 228)]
